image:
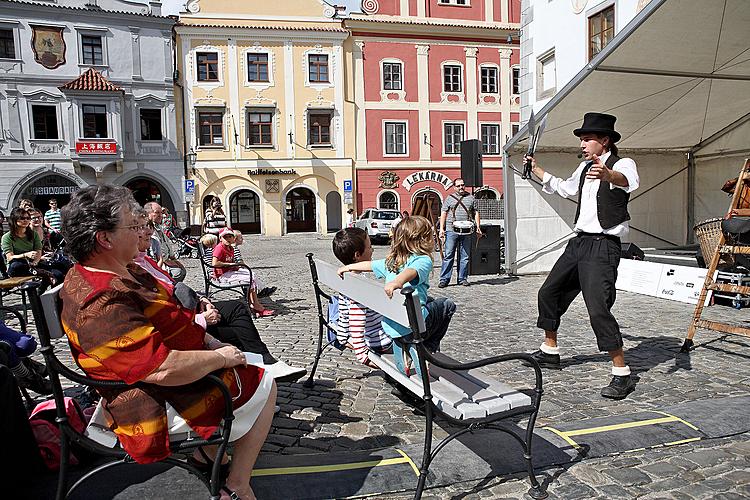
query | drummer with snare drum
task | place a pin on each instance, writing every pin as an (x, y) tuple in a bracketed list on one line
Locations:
[(459, 219)]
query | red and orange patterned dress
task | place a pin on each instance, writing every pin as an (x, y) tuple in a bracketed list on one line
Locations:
[(123, 329)]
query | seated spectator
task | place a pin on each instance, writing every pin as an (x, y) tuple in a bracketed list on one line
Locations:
[(22, 248), (150, 338), (166, 255), (229, 321), (26, 204), (258, 286), (2, 222), (226, 270), (208, 243), (214, 220), (168, 222), (17, 347), (358, 327), (50, 255)]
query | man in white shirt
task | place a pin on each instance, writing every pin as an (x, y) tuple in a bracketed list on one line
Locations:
[(589, 262)]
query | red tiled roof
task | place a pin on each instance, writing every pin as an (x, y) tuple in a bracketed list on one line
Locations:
[(91, 80), (93, 10)]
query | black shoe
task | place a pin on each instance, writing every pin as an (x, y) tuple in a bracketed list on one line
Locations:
[(463, 283), (619, 387), (442, 284), (545, 360), (36, 383), (35, 366), (267, 291)]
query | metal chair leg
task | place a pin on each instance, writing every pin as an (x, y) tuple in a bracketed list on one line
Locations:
[(308, 384), (62, 477), (427, 453), (537, 492)]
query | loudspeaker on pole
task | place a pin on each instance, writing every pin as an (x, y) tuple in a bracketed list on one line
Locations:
[(471, 163)]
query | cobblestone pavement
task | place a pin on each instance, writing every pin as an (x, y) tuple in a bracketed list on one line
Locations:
[(351, 407)]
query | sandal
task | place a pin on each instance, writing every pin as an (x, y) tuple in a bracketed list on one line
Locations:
[(263, 313), (207, 466), (232, 494)]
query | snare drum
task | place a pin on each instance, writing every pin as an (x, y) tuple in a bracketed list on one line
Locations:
[(463, 227)]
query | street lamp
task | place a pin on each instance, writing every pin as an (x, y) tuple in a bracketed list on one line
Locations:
[(192, 156)]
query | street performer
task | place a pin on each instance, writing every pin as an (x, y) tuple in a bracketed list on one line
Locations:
[(459, 218), (589, 262)]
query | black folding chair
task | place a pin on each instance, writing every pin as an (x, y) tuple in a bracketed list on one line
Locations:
[(30, 403), (213, 286), (46, 311)]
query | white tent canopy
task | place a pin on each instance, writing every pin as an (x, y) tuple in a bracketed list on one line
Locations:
[(678, 79)]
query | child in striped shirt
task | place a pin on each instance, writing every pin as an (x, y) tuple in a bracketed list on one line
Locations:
[(358, 327)]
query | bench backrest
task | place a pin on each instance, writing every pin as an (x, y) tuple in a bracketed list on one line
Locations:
[(51, 306), (369, 293)]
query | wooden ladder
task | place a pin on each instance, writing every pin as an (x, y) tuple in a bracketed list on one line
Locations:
[(740, 191)]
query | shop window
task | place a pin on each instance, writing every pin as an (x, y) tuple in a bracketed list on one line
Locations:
[(490, 139), (453, 134), (95, 121), (208, 66), (319, 129), (451, 78), (601, 30), (395, 138), (388, 200), (318, 68), (91, 50), (260, 128), (210, 128), (392, 76), (7, 44), (257, 67), (151, 125), (488, 80), (45, 122)]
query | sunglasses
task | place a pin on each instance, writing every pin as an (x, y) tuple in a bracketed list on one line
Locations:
[(24, 218)]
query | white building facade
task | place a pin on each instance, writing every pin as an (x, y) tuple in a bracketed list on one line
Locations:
[(559, 37), (86, 97)]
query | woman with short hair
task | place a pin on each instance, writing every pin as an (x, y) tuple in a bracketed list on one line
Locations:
[(151, 338)]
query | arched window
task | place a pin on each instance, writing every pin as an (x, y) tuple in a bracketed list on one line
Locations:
[(485, 194), (388, 200), (244, 212)]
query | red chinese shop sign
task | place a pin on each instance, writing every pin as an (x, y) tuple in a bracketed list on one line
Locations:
[(96, 148)]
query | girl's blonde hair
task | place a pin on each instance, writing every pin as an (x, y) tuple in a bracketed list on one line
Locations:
[(209, 240), (412, 236)]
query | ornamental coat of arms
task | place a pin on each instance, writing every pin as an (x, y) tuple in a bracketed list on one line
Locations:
[(48, 45), (388, 179)]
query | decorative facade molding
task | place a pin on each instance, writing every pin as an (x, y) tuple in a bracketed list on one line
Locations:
[(332, 65), (257, 48)]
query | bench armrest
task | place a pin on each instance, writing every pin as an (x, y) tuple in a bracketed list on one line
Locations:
[(17, 315), (456, 366)]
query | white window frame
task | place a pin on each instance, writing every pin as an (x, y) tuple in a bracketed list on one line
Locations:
[(221, 62), (58, 114), (453, 3), (224, 136), (444, 94), (14, 27), (93, 102), (332, 65), (258, 49), (394, 193), (383, 62), (385, 138), (513, 69), (274, 120), (499, 131), (463, 136), (162, 115), (496, 68), (331, 134), (544, 58), (100, 32)]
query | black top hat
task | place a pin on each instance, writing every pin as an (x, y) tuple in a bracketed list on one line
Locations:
[(598, 123)]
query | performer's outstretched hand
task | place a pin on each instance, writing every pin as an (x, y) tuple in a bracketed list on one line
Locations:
[(599, 170), (535, 169)]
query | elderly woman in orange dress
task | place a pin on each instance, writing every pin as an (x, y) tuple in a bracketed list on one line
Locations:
[(123, 325)]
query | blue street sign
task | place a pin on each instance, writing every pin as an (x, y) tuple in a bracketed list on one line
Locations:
[(348, 186), (189, 186)]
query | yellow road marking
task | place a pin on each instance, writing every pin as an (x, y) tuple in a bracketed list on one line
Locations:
[(411, 462), (313, 469), (678, 420), (681, 441), (563, 436), (617, 427)]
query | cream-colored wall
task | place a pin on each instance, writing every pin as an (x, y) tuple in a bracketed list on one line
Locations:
[(280, 9)]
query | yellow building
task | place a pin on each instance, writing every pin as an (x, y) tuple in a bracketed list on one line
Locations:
[(267, 127)]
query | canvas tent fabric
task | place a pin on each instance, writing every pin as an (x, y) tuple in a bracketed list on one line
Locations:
[(678, 79)]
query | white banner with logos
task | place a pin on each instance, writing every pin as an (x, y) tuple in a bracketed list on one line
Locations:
[(666, 281)]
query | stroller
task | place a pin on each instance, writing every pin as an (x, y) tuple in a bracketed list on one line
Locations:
[(186, 246)]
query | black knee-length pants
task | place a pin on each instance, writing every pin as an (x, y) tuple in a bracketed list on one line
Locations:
[(588, 265)]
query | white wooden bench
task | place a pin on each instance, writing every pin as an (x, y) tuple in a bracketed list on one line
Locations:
[(461, 393)]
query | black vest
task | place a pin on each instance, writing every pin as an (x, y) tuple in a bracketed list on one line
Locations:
[(611, 204)]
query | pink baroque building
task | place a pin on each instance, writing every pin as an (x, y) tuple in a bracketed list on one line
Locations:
[(428, 74)]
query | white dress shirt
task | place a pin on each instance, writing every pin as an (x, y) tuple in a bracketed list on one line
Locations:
[(588, 220)]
